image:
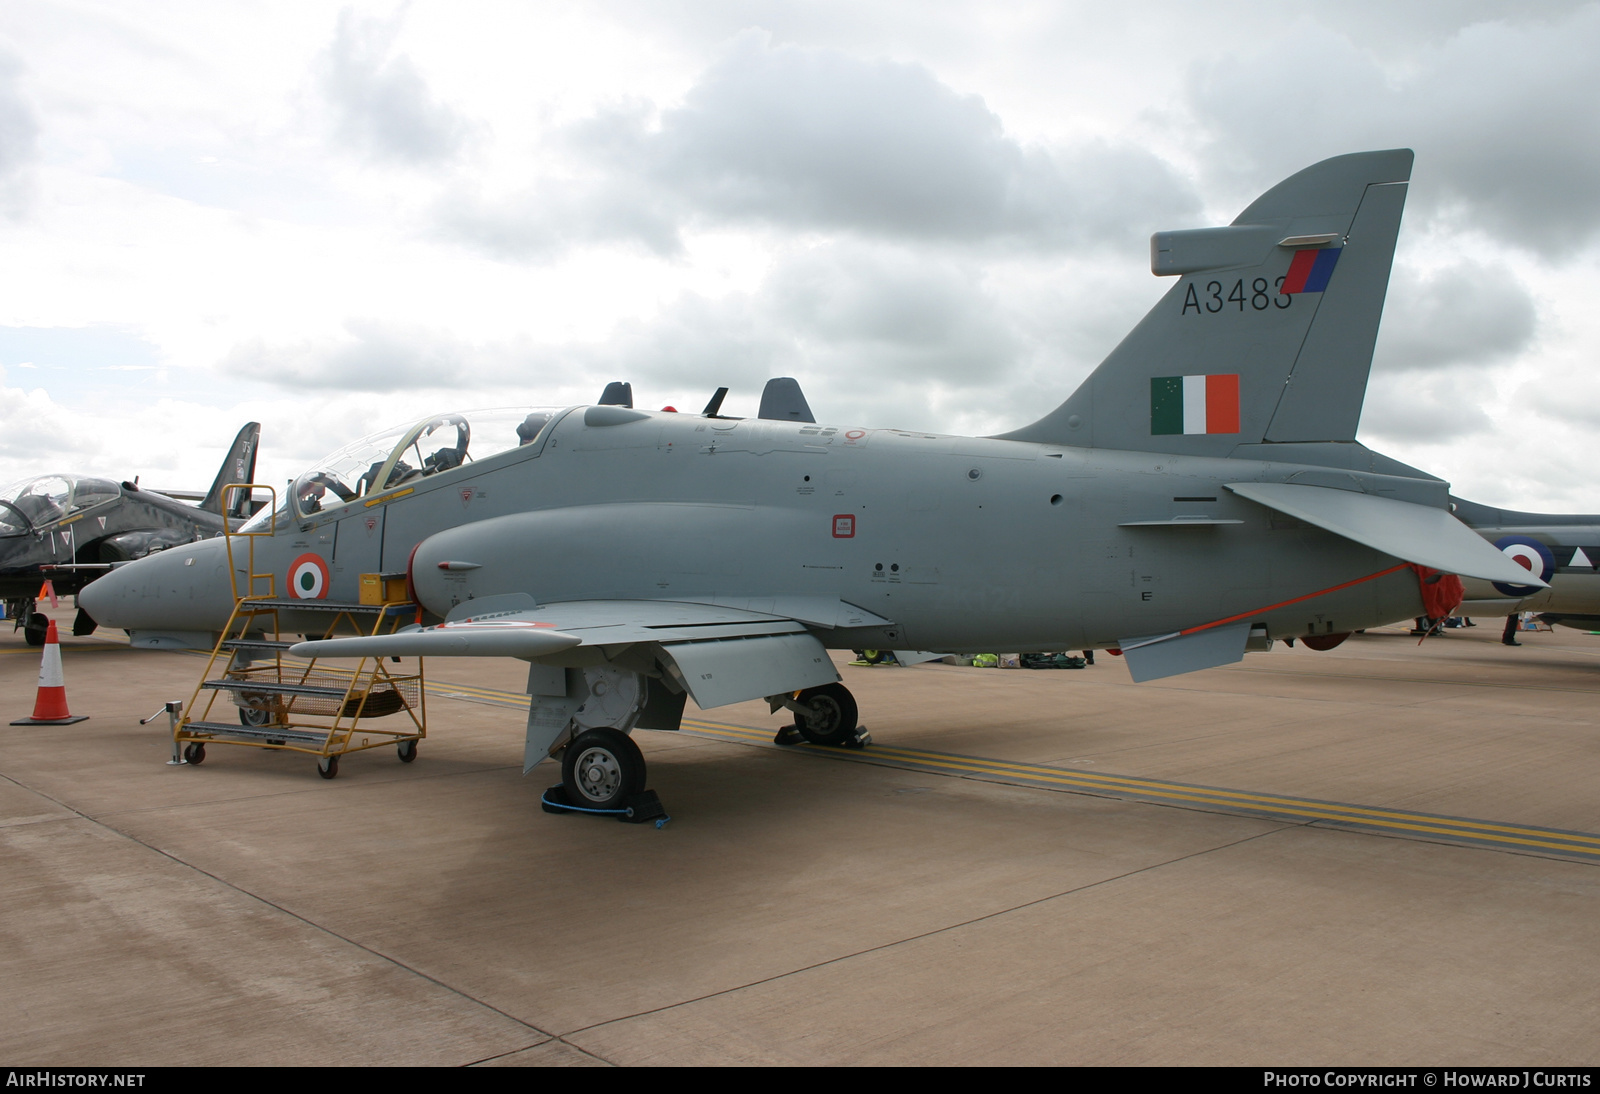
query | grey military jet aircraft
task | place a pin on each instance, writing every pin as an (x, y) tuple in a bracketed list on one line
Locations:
[(1201, 493), (70, 529), (1562, 550)]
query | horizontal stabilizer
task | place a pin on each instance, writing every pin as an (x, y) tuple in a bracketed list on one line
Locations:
[(1159, 656), (495, 638), (1413, 533)]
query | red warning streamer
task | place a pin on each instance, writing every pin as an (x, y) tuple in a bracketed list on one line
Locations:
[(1295, 600)]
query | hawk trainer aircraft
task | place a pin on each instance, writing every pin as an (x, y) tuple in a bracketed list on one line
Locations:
[(1200, 494)]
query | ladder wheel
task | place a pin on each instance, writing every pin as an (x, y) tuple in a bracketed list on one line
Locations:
[(328, 767), (407, 750), (194, 753)]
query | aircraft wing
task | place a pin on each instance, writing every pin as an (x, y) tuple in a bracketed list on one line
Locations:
[(1415, 533), (719, 654)]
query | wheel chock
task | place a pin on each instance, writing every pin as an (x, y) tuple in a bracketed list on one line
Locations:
[(642, 807), (859, 739), (788, 735)]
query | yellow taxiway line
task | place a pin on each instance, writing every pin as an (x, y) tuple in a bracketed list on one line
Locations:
[(1479, 833)]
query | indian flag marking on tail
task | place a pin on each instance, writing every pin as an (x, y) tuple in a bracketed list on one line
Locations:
[(1194, 404), (1310, 270)]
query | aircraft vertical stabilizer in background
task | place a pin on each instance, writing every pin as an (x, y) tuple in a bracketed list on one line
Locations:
[(1201, 493), (238, 466)]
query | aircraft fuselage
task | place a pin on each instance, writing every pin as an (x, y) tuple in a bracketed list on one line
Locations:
[(960, 543)]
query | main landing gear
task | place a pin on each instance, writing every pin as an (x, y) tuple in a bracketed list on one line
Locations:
[(602, 771), (823, 715)]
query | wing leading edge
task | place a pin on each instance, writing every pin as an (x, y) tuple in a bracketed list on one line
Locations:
[(720, 655)]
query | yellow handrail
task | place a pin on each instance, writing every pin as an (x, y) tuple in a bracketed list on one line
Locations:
[(250, 556)]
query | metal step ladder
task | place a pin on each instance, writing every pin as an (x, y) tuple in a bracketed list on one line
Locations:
[(293, 704)]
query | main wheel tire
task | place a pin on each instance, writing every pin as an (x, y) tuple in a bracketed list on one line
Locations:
[(36, 628), (328, 767), (602, 769), (874, 657), (194, 753), (832, 715), (407, 751)]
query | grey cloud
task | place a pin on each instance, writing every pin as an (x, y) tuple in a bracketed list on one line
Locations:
[(853, 323), (892, 312), (1501, 117), (816, 139), (853, 317), (382, 106), (1462, 316), (374, 356), (1567, 392), (19, 137), (546, 219), (1427, 408)]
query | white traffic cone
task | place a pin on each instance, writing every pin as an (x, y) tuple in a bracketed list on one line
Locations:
[(50, 707)]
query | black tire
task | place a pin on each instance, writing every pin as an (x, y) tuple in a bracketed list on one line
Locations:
[(194, 753), (407, 751), (35, 629), (833, 716), (602, 769), (874, 657), (328, 767), (254, 716)]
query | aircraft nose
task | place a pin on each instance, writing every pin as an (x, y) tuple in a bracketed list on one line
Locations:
[(182, 588)]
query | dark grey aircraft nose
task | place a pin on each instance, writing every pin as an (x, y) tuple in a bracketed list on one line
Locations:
[(180, 589)]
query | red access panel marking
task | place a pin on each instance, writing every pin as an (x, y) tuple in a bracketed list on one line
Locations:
[(844, 525)]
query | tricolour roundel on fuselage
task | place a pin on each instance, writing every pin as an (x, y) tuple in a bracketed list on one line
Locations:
[(308, 578), (1533, 556)]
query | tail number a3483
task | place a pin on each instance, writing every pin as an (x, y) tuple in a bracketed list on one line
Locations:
[(1256, 296)]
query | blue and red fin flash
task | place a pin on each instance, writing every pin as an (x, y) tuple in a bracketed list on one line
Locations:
[(1310, 270)]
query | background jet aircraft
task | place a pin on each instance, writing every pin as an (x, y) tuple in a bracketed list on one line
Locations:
[(1201, 493), (69, 529), (1561, 549)]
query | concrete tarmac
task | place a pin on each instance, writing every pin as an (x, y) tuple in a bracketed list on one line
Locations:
[(816, 908)]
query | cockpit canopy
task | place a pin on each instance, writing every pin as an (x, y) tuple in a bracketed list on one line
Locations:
[(401, 454), (41, 501)]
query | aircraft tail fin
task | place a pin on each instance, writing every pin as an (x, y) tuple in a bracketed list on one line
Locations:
[(238, 466), (1267, 335)]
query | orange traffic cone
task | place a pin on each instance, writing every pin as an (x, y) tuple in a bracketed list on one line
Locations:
[(50, 708)]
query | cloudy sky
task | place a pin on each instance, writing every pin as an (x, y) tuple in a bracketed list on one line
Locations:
[(934, 214)]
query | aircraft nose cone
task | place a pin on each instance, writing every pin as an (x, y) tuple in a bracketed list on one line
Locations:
[(183, 589)]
